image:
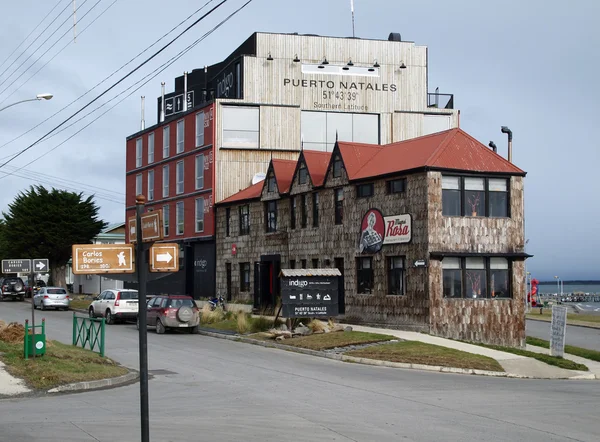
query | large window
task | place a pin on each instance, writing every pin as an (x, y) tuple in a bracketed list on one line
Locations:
[(200, 129), (476, 277), (293, 212), (241, 126), (315, 200), (180, 136), (244, 219), (199, 215), (180, 217), (138, 184), (339, 206), (303, 211), (151, 148), (165, 183), (302, 174), (337, 166), (150, 185), (271, 183), (396, 186), (365, 190), (199, 172), (166, 141), (244, 277), (364, 275), (321, 129), (139, 147), (395, 275), (271, 216), (166, 215), (475, 196), (179, 177)]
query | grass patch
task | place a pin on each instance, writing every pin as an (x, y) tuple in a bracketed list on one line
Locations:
[(336, 339), (593, 355), (572, 318), (550, 360), (62, 364), (80, 304), (239, 323), (414, 352)]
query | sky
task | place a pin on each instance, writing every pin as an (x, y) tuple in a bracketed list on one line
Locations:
[(530, 65)]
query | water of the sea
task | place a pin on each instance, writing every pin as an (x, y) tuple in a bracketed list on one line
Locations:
[(569, 288)]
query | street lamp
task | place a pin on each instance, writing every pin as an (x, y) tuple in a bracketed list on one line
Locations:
[(38, 97), (557, 285)]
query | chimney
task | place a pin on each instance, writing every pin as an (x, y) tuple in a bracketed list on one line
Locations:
[(143, 124), (162, 102), (185, 91)]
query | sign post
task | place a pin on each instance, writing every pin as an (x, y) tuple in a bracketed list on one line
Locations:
[(40, 265), (164, 257), (558, 330), (151, 223)]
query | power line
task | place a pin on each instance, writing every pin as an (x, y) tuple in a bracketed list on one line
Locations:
[(32, 31), (58, 53), (111, 75), (117, 83)]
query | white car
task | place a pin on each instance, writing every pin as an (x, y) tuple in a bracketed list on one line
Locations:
[(115, 305), (51, 297)]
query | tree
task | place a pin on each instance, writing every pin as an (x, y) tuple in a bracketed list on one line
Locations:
[(45, 224)]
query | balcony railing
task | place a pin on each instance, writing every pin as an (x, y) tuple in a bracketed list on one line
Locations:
[(440, 101)]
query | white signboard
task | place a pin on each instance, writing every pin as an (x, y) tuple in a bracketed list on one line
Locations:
[(558, 330), (398, 229)]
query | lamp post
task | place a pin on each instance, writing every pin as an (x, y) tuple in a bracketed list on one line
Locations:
[(557, 284), (38, 97)]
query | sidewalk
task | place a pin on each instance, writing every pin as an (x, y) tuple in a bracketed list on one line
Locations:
[(9, 385)]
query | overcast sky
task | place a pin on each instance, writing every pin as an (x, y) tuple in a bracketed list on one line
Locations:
[(531, 65)]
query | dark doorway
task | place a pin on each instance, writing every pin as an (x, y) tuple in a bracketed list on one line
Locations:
[(339, 264), (266, 281), (228, 280)]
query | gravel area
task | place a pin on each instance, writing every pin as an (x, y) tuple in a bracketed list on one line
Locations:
[(340, 350)]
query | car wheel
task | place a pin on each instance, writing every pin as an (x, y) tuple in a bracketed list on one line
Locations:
[(21, 298), (110, 319), (42, 306), (160, 328), (91, 312)]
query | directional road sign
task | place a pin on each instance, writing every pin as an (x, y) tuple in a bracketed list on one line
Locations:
[(152, 228), (164, 257), (40, 265), (16, 266), (103, 258)]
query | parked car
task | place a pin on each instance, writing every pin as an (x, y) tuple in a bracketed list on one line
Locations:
[(51, 297), (12, 287), (115, 305), (33, 290), (172, 311)]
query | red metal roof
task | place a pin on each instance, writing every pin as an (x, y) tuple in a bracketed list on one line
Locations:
[(254, 191), (356, 155), (284, 173), (453, 149), (317, 163)]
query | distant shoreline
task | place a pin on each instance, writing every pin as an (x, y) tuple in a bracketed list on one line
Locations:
[(572, 282)]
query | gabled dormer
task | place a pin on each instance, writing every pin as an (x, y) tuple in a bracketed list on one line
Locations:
[(278, 179), (336, 174), (347, 159)]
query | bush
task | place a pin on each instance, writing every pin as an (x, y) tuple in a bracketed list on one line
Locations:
[(243, 323), (210, 317), (317, 326), (261, 324)]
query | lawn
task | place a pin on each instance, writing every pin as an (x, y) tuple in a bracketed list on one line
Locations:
[(62, 364), (413, 352), (572, 318), (325, 341), (80, 304), (571, 349), (241, 322)]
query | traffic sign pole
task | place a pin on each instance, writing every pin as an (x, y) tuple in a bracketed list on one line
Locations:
[(142, 313), (32, 279)]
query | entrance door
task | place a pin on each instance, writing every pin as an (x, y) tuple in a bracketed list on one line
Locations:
[(339, 264), (228, 280), (257, 279)]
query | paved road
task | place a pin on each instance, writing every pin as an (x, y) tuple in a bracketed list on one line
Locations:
[(579, 336), (227, 391)]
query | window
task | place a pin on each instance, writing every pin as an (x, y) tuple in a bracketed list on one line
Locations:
[(498, 188), (476, 277), (166, 136), (245, 220), (199, 215), (337, 167), (179, 177), (364, 275), (293, 212), (395, 275), (315, 263), (150, 185), (200, 129), (199, 172), (244, 277), (339, 206), (227, 221), (139, 147), (271, 184), (319, 130), (138, 184), (271, 218), (292, 263), (474, 196), (365, 190), (166, 214), (180, 136), (241, 127), (302, 174), (303, 263), (165, 192), (396, 186), (303, 211), (179, 215), (315, 201), (151, 148)]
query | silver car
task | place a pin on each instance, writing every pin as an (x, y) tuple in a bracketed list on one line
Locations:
[(52, 297)]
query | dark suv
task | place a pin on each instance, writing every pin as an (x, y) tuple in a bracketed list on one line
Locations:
[(172, 311), (12, 287)]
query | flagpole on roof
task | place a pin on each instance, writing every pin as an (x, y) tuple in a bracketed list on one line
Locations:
[(352, 10)]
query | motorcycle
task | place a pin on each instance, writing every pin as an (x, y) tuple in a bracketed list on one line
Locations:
[(216, 302)]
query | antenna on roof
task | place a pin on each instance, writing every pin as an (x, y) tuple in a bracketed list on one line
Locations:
[(302, 142), (352, 10), (336, 135)]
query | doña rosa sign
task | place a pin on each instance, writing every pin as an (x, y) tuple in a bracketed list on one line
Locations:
[(398, 229)]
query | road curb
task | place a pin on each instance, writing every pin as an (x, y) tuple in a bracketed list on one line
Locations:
[(101, 383), (570, 325), (375, 362)]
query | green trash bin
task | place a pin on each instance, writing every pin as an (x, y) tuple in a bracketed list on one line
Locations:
[(34, 342)]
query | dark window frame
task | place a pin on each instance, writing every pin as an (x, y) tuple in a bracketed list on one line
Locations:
[(293, 212), (303, 211), (244, 268), (303, 263), (338, 165), (391, 275), (271, 183), (315, 209), (486, 203), (315, 263), (271, 216), (391, 183), (244, 219), (365, 190), (292, 263), (365, 274), (338, 205), (227, 221), (302, 174), (488, 278)]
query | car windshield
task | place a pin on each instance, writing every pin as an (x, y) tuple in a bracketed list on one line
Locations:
[(129, 295), (176, 303), (57, 291)]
